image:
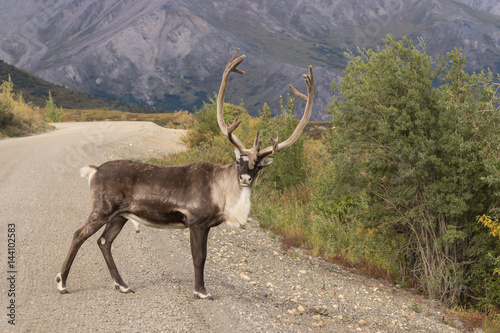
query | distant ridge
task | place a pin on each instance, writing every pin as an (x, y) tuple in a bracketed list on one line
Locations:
[(36, 91)]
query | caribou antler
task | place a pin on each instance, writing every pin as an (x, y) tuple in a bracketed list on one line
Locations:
[(226, 128), (255, 153), (311, 90)]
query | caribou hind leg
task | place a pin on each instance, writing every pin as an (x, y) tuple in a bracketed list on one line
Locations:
[(112, 230), (93, 224)]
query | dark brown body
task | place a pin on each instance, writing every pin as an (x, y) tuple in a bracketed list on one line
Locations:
[(163, 196), (197, 196)]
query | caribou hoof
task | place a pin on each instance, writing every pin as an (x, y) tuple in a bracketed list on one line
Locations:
[(198, 295), (124, 290), (60, 288)]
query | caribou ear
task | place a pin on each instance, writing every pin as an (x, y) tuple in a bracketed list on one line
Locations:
[(266, 161)]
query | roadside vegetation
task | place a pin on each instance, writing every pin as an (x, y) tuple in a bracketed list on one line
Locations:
[(415, 150), (404, 184), (16, 116), (53, 114)]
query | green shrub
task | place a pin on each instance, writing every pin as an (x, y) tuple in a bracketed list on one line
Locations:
[(416, 154), (16, 117), (53, 114), (6, 114), (206, 128), (289, 168), (6, 103)]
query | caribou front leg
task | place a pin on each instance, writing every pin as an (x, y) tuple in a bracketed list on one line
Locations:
[(198, 236)]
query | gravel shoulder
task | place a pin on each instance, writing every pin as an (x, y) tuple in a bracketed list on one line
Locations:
[(258, 287)]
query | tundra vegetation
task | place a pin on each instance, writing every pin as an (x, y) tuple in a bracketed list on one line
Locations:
[(16, 116), (53, 114), (415, 149), (404, 184)]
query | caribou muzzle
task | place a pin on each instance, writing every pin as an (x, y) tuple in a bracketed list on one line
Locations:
[(245, 180)]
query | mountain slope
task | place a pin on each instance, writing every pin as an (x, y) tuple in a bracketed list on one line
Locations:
[(170, 55), (36, 91), (489, 6)]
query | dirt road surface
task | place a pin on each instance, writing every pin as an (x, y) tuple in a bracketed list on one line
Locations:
[(258, 287)]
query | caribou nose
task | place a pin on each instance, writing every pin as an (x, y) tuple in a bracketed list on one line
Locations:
[(245, 179)]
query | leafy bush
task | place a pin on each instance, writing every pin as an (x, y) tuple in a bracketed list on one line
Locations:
[(416, 154), (288, 169), (6, 115), (52, 112), (206, 128), (6, 104), (17, 117)]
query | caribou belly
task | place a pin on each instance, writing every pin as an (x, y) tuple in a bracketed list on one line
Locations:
[(136, 221)]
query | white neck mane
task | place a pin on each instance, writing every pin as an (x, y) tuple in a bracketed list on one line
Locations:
[(237, 213)]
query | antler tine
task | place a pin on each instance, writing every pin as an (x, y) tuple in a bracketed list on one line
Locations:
[(311, 90), (256, 143), (230, 67), (298, 93), (233, 126), (231, 137), (275, 143), (233, 62)]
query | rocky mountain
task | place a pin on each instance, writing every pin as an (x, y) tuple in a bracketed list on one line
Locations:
[(170, 54), (489, 6)]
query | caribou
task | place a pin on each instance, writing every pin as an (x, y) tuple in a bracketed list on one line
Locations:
[(196, 196)]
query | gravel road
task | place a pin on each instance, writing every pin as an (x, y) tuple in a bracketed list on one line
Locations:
[(258, 287)]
